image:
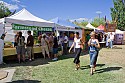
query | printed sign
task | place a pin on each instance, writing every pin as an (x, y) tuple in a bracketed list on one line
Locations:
[(110, 28), (32, 28)]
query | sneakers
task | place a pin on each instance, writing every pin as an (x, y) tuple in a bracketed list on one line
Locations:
[(55, 59)]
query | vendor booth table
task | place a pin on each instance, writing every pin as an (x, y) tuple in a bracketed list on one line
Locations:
[(12, 51)]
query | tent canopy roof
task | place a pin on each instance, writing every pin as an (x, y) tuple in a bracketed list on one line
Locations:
[(101, 27), (62, 22), (1, 20), (26, 18), (119, 31), (89, 26)]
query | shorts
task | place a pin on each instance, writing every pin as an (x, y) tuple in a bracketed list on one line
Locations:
[(50, 49), (30, 50), (20, 50), (55, 50)]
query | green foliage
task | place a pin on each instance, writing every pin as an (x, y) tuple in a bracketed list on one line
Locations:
[(82, 24), (98, 21), (118, 13), (4, 11)]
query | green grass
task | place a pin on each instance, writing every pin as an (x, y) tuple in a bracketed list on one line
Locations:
[(62, 71)]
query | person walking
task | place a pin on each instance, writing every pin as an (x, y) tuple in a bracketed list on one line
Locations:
[(55, 47), (30, 44), (78, 44), (20, 47), (65, 44), (93, 44), (45, 47)]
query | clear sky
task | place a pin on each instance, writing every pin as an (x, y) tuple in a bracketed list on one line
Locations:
[(66, 9)]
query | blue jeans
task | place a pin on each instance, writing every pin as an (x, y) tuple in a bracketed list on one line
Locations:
[(111, 44), (93, 56)]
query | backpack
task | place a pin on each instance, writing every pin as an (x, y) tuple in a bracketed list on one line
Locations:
[(20, 41)]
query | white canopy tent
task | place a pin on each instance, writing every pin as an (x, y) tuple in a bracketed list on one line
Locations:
[(119, 31), (89, 26), (24, 17), (1, 20)]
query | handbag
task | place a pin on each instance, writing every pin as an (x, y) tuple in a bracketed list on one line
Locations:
[(109, 40)]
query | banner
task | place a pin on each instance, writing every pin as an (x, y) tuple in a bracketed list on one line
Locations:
[(110, 27), (32, 28)]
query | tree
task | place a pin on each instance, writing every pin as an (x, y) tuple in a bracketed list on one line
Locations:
[(118, 14), (84, 23), (98, 21), (4, 11), (81, 24)]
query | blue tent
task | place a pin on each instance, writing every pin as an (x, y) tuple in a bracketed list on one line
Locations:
[(63, 23)]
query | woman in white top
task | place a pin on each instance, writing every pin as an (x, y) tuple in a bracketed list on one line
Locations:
[(44, 44), (78, 44)]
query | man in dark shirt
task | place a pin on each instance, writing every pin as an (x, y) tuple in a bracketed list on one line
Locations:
[(55, 47), (30, 43)]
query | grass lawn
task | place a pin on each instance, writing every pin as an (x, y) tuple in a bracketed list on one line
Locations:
[(62, 71)]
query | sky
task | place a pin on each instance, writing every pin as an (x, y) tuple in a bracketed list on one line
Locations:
[(65, 9)]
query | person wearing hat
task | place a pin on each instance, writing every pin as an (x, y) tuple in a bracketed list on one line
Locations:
[(1, 48), (93, 44)]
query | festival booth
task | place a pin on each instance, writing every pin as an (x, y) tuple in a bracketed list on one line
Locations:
[(100, 28), (23, 21), (88, 29), (67, 27), (119, 35)]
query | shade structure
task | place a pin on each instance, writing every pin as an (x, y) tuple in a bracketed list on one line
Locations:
[(119, 31), (89, 26), (24, 17), (1, 20), (63, 23), (101, 27)]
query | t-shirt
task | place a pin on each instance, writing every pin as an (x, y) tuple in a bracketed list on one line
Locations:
[(66, 38), (111, 37), (44, 42), (87, 37), (55, 42), (31, 39), (77, 42), (20, 41)]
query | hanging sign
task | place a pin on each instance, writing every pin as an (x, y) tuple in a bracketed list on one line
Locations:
[(32, 28), (110, 27)]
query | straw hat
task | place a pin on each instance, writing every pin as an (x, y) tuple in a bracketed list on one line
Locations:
[(92, 33)]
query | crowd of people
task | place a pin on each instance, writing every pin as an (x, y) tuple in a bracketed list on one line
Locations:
[(50, 45)]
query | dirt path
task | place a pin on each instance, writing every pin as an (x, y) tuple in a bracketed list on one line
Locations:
[(113, 56)]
